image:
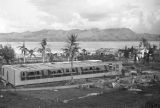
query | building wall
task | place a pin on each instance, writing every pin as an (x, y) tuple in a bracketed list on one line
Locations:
[(14, 76), (8, 75), (17, 76), (11, 77)]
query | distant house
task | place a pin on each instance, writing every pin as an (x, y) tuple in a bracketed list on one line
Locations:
[(142, 52)]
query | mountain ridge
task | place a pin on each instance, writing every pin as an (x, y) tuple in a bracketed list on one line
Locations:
[(94, 34)]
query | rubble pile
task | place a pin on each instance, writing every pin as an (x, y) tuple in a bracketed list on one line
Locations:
[(133, 82), (76, 81)]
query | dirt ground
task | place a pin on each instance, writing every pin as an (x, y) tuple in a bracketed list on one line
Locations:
[(15, 100), (55, 99)]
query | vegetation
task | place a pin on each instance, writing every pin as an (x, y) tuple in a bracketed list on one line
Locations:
[(144, 43), (31, 52), (71, 48), (24, 51), (50, 56), (43, 49), (145, 54), (66, 52), (109, 57), (84, 51), (8, 54), (126, 54)]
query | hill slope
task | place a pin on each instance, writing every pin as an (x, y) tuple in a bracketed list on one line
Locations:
[(115, 34)]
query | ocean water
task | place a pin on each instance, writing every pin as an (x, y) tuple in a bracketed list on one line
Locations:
[(90, 46)]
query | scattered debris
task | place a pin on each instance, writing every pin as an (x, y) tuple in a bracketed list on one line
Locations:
[(90, 94), (93, 94), (133, 72), (81, 97), (135, 90), (100, 83), (84, 86), (55, 90), (115, 85), (148, 95), (66, 101), (76, 81), (1, 96), (57, 100), (25, 98)]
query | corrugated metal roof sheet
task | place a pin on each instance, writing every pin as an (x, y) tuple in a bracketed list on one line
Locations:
[(58, 65)]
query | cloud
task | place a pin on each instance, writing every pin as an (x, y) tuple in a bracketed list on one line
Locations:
[(24, 15), (21, 15)]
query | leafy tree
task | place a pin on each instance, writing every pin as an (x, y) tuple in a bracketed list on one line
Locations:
[(24, 51), (43, 49), (72, 48), (8, 54)]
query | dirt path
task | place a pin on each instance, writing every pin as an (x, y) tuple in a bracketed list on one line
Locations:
[(46, 88)]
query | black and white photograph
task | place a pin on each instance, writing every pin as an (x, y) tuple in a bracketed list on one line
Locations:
[(79, 53)]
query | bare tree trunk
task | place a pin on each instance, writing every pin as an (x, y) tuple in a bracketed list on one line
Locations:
[(24, 58), (43, 56), (71, 65)]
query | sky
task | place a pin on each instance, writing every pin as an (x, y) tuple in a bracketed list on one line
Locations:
[(142, 16)]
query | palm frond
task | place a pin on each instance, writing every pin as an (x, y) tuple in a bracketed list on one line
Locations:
[(48, 49), (40, 50), (44, 43)]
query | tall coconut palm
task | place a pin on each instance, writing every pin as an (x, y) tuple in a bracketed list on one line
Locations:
[(24, 51), (43, 49), (72, 47)]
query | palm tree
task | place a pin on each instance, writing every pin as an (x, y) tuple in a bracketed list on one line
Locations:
[(72, 48), (31, 52), (43, 49), (84, 52), (24, 51)]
